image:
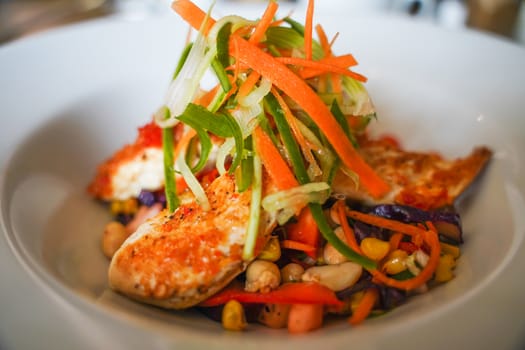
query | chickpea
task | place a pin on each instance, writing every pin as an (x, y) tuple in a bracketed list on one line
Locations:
[(331, 255), (114, 235), (262, 276), (335, 277), (291, 272)]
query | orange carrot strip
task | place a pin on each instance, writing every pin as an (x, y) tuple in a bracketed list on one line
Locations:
[(183, 142), (192, 14), (321, 67), (323, 39), (431, 238), (289, 244), (298, 135), (248, 84), (208, 96), (389, 224), (336, 83), (349, 232), (365, 307), (308, 26), (297, 89), (277, 168), (394, 240), (343, 62), (264, 22)]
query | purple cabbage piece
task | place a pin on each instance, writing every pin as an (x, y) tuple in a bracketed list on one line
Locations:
[(390, 298), (447, 221), (147, 198), (362, 231), (124, 219)]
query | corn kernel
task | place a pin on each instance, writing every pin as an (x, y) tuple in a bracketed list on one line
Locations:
[(444, 269), (272, 250), (115, 207), (395, 262), (233, 318), (130, 206), (450, 249), (374, 248)]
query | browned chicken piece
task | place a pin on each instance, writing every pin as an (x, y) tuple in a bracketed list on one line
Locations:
[(180, 259), (423, 180)]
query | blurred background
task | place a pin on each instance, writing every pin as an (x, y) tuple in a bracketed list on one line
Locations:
[(505, 18)]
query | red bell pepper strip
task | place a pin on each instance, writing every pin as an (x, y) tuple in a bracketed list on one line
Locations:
[(288, 293)]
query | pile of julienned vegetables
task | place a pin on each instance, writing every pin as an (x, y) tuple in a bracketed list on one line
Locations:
[(285, 106)]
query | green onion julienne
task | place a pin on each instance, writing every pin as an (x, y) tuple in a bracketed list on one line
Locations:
[(302, 176)]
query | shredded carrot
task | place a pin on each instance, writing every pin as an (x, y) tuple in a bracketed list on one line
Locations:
[(389, 224), (277, 168), (192, 14), (323, 40), (305, 147), (264, 22), (308, 27), (336, 83), (365, 306), (431, 238), (343, 62), (394, 240), (349, 232), (183, 142), (320, 67), (289, 244), (297, 89), (248, 84), (208, 96)]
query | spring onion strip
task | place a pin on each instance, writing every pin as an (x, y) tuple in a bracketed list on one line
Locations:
[(182, 60), (287, 203), (323, 153), (222, 153), (288, 38), (298, 27), (223, 40), (220, 72), (255, 210), (184, 87), (257, 94), (359, 103), (340, 246), (205, 144), (193, 183), (341, 119), (302, 176), (169, 172), (244, 173)]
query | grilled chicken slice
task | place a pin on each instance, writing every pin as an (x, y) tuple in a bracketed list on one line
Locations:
[(178, 260), (136, 166), (423, 180)]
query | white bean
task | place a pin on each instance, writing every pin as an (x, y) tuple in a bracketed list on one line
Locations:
[(291, 272), (335, 277), (330, 254), (262, 276)]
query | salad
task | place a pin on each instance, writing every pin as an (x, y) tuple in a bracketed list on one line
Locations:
[(262, 198)]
